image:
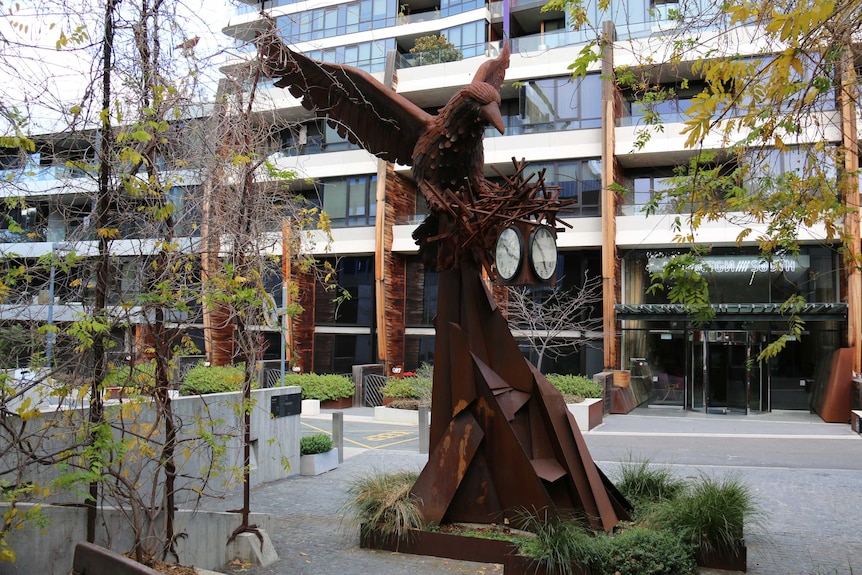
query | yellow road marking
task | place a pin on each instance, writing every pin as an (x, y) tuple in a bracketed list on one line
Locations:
[(385, 435)]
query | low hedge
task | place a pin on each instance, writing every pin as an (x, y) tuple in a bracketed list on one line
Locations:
[(579, 385), (314, 444), (201, 380), (400, 387), (322, 386)]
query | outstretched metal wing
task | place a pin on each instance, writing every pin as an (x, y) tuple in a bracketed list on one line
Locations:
[(379, 119)]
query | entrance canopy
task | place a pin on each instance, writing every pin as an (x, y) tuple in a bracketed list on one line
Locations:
[(732, 311)]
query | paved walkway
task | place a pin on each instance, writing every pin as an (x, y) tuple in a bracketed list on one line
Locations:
[(811, 527)]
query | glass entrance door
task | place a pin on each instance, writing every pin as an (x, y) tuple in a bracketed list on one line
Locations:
[(726, 385), (720, 377)]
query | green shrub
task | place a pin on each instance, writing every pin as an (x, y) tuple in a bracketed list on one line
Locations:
[(417, 386), (202, 379), (639, 551), (579, 385), (313, 444), (645, 485), (560, 546), (403, 387), (711, 514), (139, 375), (321, 386), (383, 501)]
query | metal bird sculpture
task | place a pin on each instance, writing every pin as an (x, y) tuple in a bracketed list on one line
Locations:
[(502, 438)]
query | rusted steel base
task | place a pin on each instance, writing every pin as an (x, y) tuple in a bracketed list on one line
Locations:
[(502, 440), (733, 558), (444, 545), (459, 548)]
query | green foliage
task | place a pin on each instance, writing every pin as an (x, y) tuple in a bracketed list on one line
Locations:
[(321, 386), (712, 513), (202, 379), (434, 50), (139, 375), (314, 444), (400, 387), (639, 551), (579, 385), (684, 280), (645, 485), (559, 544), (384, 502)]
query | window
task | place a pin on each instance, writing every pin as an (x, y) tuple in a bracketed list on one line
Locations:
[(644, 186), (350, 201), (356, 276), (555, 104)]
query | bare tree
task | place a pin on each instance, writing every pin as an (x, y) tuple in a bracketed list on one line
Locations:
[(555, 321)]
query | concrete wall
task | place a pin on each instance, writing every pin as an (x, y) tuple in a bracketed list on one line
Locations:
[(49, 552), (203, 421)]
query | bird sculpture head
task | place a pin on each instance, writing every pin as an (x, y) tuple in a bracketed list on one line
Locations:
[(481, 100)]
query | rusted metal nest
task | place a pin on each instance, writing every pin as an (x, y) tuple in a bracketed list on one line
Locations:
[(469, 221)]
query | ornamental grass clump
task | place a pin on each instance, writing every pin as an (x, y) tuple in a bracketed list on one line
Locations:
[(645, 485), (559, 544), (711, 514), (382, 502)]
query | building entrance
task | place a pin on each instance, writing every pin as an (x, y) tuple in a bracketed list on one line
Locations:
[(723, 379)]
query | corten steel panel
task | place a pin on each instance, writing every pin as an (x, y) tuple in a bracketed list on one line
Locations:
[(464, 387), (447, 465), (532, 455), (833, 400)]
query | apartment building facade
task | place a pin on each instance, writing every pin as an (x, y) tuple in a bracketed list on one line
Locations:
[(583, 133)]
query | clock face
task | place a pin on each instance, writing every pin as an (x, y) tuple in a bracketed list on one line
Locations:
[(543, 253), (508, 253)]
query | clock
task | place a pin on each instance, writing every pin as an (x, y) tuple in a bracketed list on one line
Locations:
[(543, 253), (509, 253)]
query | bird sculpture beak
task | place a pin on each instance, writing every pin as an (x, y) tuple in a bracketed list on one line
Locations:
[(491, 114)]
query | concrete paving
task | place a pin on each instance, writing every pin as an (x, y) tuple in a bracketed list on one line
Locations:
[(811, 493)]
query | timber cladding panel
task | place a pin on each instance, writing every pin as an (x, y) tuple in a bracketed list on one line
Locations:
[(303, 323), (400, 201)]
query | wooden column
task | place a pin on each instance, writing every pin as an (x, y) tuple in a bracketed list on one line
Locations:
[(609, 228), (850, 146)]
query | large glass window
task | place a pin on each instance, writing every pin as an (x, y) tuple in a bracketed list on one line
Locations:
[(580, 180), (553, 105), (421, 305), (350, 201), (369, 56), (468, 38), (355, 276)]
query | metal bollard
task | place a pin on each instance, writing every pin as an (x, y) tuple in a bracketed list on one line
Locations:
[(424, 431), (338, 433)]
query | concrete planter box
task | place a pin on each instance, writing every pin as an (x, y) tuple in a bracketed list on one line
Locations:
[(392, 415), (310, 407), (318, 463), (588, 414), (340, 403)]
